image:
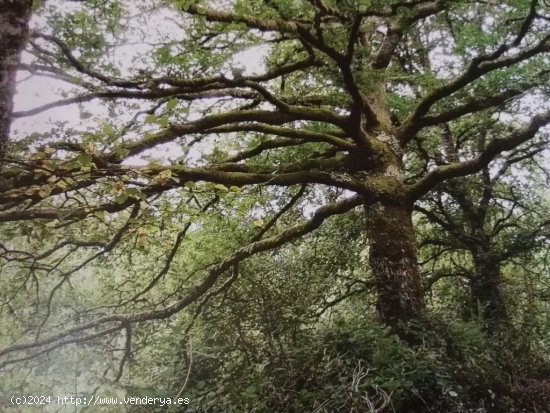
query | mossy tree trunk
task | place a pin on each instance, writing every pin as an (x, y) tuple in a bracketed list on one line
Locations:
[(486, 295), (393, 260), (390, 233), (14, 28)]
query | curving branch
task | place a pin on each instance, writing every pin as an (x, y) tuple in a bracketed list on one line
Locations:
[(479, 66), (227, 118), (70, 335), (171, 254), (491, 151)]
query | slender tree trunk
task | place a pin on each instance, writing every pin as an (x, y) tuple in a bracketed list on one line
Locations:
[(393, 260), (14, 30), (485, 288)]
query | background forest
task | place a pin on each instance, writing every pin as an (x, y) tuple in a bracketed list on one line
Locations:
[(276, 205)]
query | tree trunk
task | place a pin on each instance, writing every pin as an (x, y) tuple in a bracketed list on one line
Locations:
[(485, 288), (392, 256), (14, 30)]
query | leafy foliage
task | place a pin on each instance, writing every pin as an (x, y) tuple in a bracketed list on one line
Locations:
[(280, 206)]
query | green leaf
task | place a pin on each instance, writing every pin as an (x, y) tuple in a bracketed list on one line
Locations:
[(164, 122), (221, 188), (134, 193), (167, 173), (99, 214), (122, 198), (84, 159), (171, 104), (250, 390), (153, 164), (108, 130)]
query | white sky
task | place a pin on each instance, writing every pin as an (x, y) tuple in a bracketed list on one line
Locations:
[(36, 91)]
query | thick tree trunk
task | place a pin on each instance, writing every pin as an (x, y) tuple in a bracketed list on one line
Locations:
[(392, 249), (14, 28), (485, 288)]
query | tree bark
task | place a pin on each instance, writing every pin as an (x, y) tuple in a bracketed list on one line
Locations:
[(14, 30), (485, 288), (390, 231), (393, 260), (486, 301)]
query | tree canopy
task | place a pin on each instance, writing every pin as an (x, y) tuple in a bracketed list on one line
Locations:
[(286, 176)]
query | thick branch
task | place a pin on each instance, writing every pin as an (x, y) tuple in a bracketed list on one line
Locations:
[(395, 32), (262, 24), (479, 67), (475, 105), (301, 135), (493, 149)]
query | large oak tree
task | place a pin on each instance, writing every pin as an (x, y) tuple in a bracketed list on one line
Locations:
[(349, 95)]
